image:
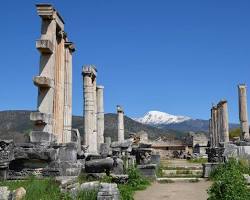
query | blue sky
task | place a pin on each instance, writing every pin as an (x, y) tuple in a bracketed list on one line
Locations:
[(173, 56)]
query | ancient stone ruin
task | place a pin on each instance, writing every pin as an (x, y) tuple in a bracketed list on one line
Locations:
[(221, 149), (55, 149)]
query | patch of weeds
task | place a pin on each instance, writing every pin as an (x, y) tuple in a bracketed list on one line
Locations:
[(198, 160), (87, 195), (228, 182)]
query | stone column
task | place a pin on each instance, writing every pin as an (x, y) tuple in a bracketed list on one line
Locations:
[(210, 132), (243, 111), (69, 49), (214, 125), (224, 121), (43, 118), (100, 115), (90, 137), (219, 133), (120, 114)]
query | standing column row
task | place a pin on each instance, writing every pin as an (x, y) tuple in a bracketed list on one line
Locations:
[(54, 107), (219, 127)]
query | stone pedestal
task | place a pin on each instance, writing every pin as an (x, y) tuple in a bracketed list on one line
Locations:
[(148, 170), (208, 168)]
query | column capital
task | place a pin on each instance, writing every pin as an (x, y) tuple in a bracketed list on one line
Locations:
[(89, 70), (70, 46), (242, 85), (99, 87), (119, 109)]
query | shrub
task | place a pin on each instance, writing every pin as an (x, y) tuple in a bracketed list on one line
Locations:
[(135, 182), (229, 183)]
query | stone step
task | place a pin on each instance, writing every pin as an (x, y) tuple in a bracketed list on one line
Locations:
[(182, 172), (178, 179)]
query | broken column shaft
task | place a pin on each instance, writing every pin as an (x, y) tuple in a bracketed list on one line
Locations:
[(243, 116), (120, 114)]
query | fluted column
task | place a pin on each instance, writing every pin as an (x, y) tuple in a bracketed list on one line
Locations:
[(210, 131), (214, 123), (224, 121), (100, 115), (243, 116), (69, 49), (90, 137), (120, 114)]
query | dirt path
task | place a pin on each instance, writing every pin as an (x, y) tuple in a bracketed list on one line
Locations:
[(175, 191)]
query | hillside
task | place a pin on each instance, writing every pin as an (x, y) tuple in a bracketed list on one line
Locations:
[(16, 125)]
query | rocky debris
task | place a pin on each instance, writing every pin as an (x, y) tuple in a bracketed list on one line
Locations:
[(247, 178), (19, 193), (99, 165), (108, 191), (5, 193), (119, 179)]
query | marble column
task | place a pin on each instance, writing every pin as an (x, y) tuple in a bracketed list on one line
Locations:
[(224, 121), (58, 106), (100, 115), (69, 49), (120, 114), (90, 136), (243, 111)]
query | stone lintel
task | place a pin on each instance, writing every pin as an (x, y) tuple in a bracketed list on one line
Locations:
[(70, 46), (40, 118), (44, 46), (89, 69), (45, 11), (48, 12), (44, 82)]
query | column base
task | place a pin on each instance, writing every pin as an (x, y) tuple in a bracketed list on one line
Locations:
[(42, 137)]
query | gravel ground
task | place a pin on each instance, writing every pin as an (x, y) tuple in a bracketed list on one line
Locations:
[(175, 191)]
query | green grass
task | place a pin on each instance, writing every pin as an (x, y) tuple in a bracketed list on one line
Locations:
[(38, 189), (46, 189)]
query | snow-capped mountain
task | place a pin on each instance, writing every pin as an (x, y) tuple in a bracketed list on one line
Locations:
[(157, 118)]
